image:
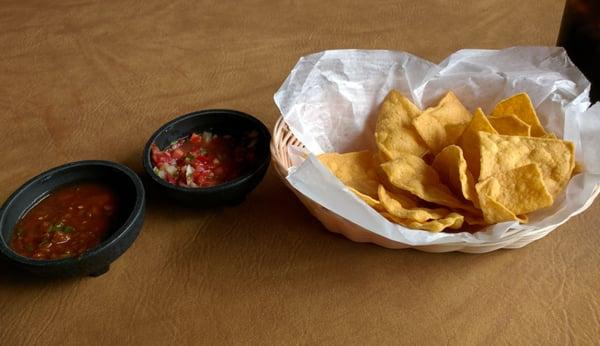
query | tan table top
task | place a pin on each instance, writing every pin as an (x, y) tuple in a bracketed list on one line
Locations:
[(92, 80)]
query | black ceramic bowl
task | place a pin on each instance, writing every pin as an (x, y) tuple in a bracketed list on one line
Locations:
[(96, 261), (216, 121)]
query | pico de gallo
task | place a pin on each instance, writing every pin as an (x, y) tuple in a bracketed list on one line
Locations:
[(205, 159), (68, 222)]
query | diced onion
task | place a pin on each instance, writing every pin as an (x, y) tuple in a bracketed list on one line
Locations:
[(170, 169), (206, 137), (189, 171), (159, 172)]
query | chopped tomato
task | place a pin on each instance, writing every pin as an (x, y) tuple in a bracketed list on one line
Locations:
[(205, 159), (177, 154), (195, 139)]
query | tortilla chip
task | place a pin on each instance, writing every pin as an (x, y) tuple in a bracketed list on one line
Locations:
[(452, 169), (510, 125), (443, 124), (469, 141), (410, 173), (477, 220), (494, 212), (379, 158), (394, 132), (520, 190), (452, 221), (520, 105), (370, 201), (501, 153), (355, 170), (395, 205), (578, 168), (549, 135)]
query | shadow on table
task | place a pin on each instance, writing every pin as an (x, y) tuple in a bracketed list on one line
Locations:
[(10, 276)]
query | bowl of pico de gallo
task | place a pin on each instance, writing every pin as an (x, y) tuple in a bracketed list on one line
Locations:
[(208, 158)]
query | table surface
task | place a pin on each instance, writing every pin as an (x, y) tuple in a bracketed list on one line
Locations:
[(93, 80)]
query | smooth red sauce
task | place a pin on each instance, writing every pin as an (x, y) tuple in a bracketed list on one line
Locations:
[(68, 222), (205, 159)]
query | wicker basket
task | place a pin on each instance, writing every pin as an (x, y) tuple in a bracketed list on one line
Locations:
[(283, 137)]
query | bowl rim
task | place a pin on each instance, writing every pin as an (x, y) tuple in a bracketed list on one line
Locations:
[(117, 235), (146, 161)]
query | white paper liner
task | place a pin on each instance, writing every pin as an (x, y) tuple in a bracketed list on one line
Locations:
[(330, 100)]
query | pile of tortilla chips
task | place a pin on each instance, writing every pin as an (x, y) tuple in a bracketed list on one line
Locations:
[(445, 168)]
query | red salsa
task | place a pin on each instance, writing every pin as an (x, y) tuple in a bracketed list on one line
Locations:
[(205, 159), (66, 223)]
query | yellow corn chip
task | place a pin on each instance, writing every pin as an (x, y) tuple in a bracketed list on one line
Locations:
[(452, 169), (469, 141), (395, 206), (477, 220), (510, 125), (494, 212), (379, 158), (555, 157), (410, 173), (520, 105), (403, 197), (394, 132), (433, 169), (520, 190), (355, 170), (578, 168), (452, 221), (371, 202), (443, 124)]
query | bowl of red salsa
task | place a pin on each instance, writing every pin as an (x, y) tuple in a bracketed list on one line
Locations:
[(72, 220), (209, 157)]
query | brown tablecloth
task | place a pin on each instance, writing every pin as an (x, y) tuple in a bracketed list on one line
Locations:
[(92, 80)]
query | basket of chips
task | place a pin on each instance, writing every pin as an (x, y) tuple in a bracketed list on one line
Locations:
[(488, 150)]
